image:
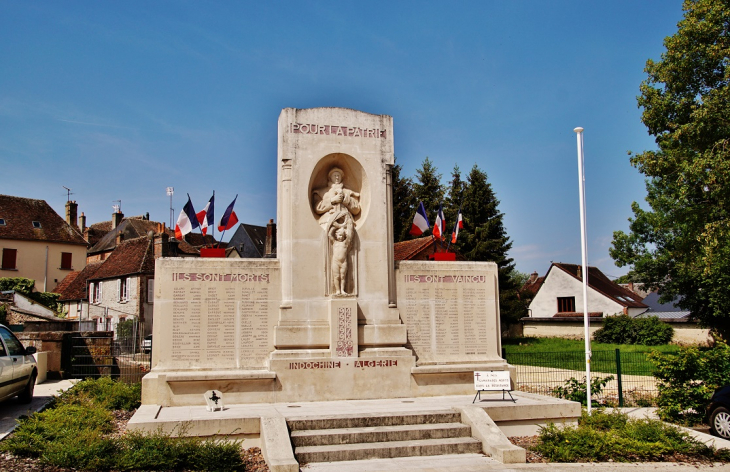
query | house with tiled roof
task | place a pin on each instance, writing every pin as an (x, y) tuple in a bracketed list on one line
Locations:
[(37, 243), (118, 288), (253, 241), (560, 294), (121, 228)]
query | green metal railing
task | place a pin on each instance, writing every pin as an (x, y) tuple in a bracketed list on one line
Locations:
[(633, 383)]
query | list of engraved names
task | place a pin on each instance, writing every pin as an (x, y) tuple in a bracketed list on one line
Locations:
[(446, 315), (221, 318)]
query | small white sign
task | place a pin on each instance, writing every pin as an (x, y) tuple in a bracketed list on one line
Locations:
[(213, 400), (492, 380)]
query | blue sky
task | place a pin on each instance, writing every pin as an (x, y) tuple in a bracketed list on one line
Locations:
[(119, 100)]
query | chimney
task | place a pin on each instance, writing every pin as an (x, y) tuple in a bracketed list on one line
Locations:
[(117, 218), (533, 277), (82, 222), (71, 211), (120, 238), (579, 273), (162, 245), (270, 243)]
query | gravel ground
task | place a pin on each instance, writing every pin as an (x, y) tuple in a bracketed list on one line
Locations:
[(252, 458)]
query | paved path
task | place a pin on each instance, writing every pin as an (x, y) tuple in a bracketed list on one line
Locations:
[(11, 410), (479, 463)]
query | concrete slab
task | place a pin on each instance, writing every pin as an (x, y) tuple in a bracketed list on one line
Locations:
[(11, 410), (479, 463), (515, 419)]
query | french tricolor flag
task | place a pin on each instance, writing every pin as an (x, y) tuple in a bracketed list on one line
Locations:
[(440, 225), (459, 225), (187, 221), (420, 221), (229, 218), (206, 217)]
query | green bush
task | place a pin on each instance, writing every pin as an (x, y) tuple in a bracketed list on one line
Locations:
[(576, 390), (106, 393), (623, 329), (687, 379), (75, 433), (613, 436)]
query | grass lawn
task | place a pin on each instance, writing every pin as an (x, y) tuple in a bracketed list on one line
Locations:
[(569, 354)]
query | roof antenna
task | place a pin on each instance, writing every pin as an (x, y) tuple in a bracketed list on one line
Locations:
[(68, 191), (117, 208)]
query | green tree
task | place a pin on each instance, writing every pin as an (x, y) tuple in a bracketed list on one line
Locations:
[(681, 246), (454, 198), (403, 204), (485, 239), (428, 189)]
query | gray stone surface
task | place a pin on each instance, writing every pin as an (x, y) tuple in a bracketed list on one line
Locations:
[(11, 410)]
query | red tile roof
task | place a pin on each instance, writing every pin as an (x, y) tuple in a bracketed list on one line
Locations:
[(63, 285), (533, 286), (76, 288), (419, 248), (405, 250), (20, 213), (135, 256), (599, 282)]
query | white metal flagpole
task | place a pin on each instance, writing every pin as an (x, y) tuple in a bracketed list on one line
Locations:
[(584, 256)]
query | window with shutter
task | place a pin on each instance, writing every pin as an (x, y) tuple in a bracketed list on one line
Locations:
[(92, 293), (66, 260), (9, 259), (150, 290)]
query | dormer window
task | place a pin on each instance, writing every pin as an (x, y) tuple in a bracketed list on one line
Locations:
[(2, 222), (37, 224)]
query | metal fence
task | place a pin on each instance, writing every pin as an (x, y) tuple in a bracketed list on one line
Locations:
[(103, 356), (632, 382)]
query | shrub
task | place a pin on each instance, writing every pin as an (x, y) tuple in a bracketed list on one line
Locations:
[(106, 393), (623, 329), (603, 436), (75, 433), (687, 379), (576, 390)]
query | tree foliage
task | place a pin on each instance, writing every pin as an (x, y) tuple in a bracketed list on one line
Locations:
[(483, 237), (26, 287), (427, 188), (681, 246), (403, 203)]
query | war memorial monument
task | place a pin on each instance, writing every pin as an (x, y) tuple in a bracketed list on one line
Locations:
[(333, 317)]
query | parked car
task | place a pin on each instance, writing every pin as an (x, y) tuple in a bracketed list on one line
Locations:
[(18, 369), (718, 413), (147, 344)]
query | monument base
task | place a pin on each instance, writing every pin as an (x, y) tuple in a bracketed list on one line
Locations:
[(314, 375)]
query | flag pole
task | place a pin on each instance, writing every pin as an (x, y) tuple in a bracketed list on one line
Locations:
[(212, 233), (455, 223), (584, 256)]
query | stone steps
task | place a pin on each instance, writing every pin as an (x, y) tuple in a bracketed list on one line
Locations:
[(385, 450), (371, 434), (387, 435)]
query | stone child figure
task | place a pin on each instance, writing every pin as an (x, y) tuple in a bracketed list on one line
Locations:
[(340, 236)]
